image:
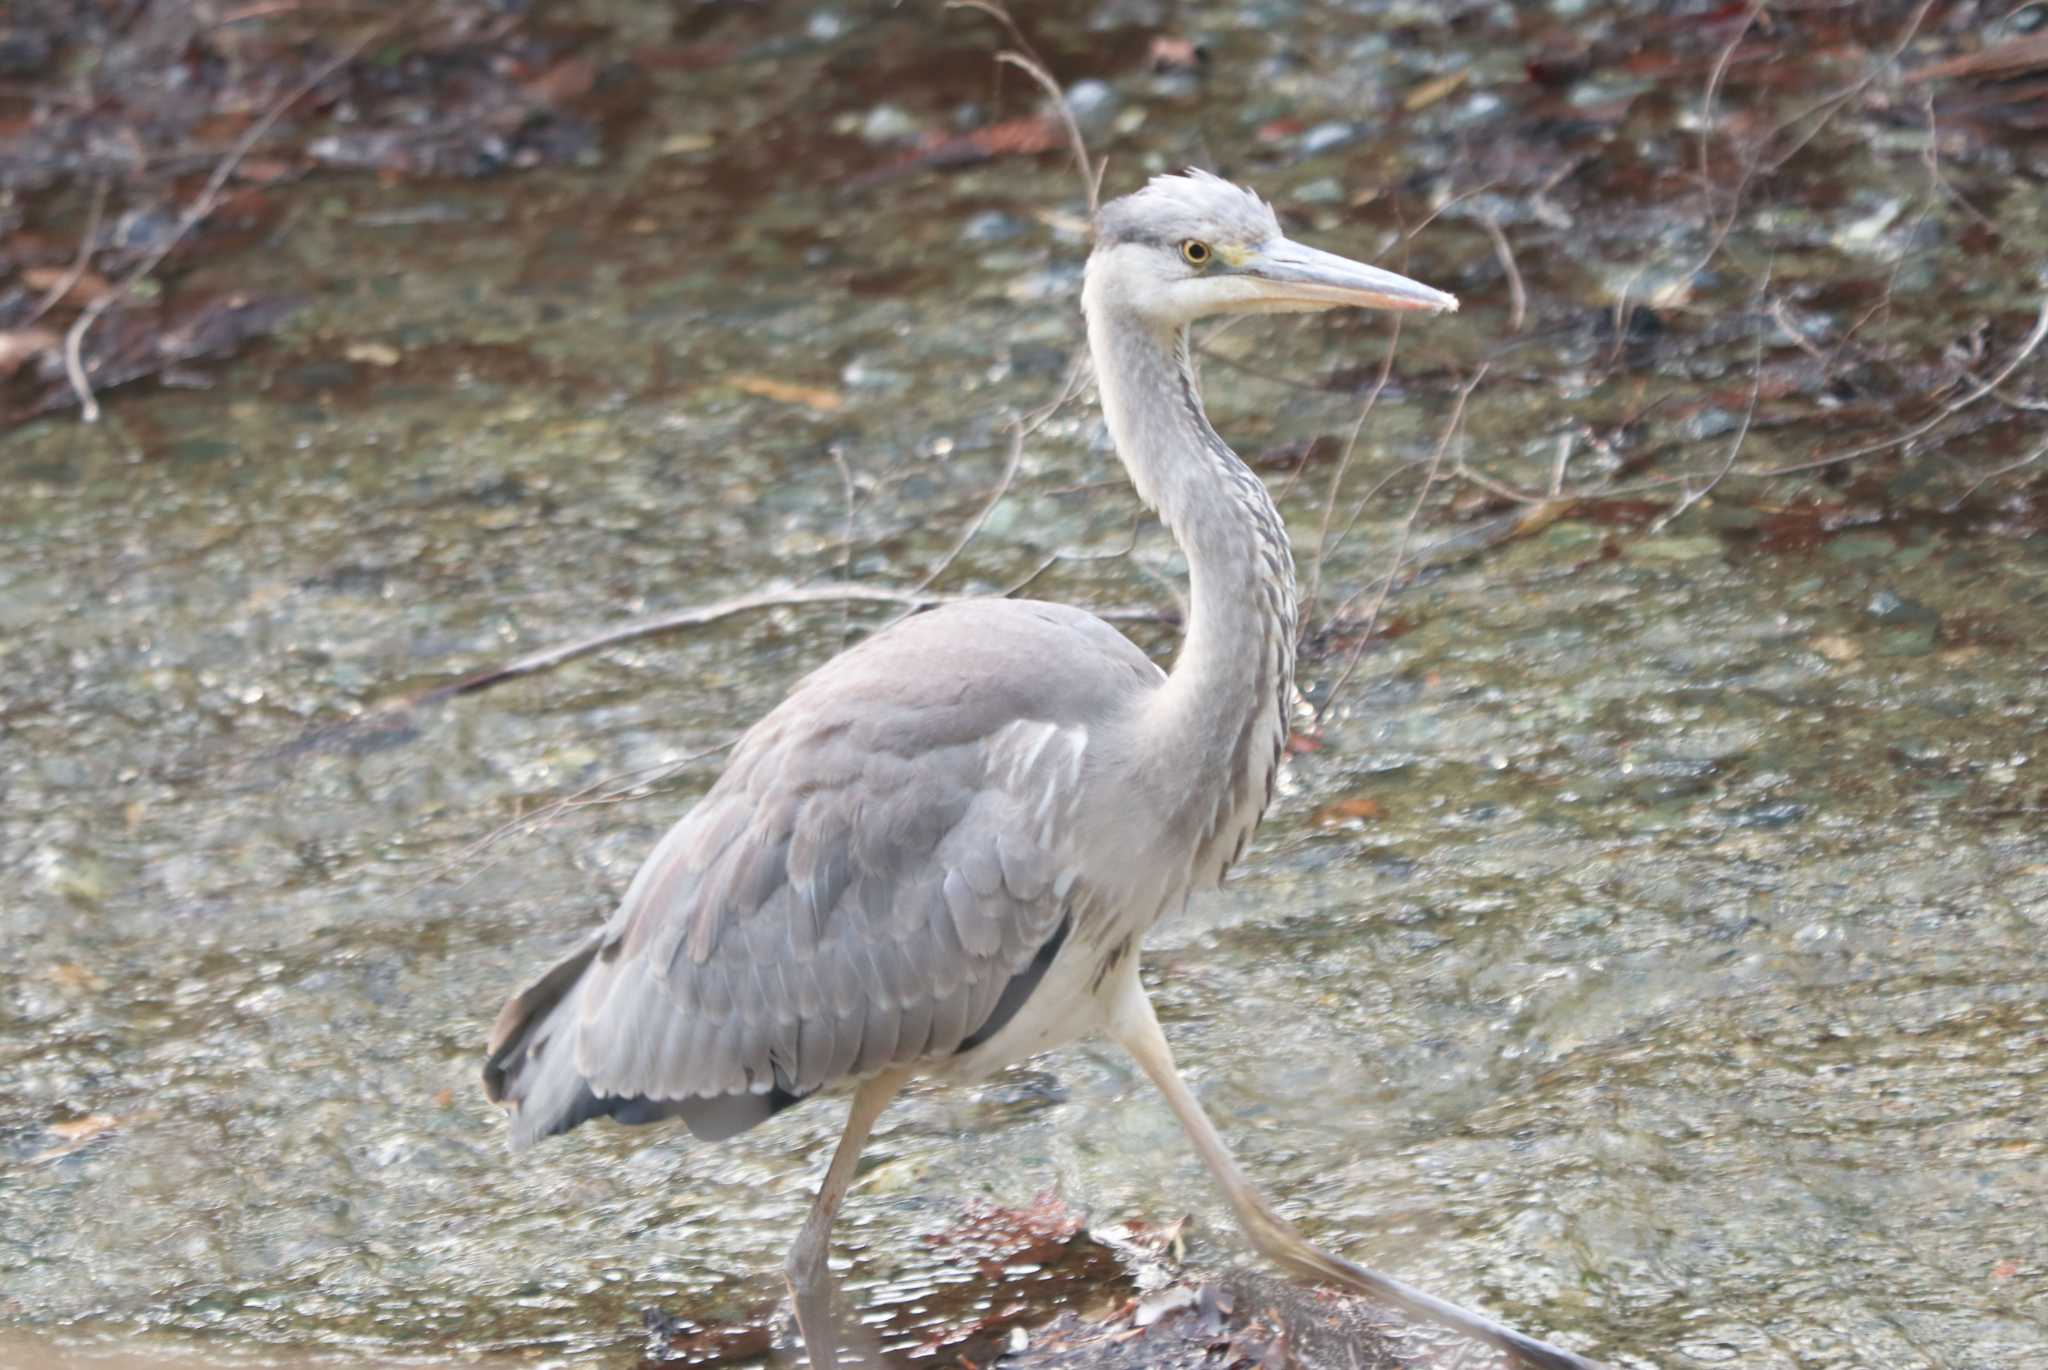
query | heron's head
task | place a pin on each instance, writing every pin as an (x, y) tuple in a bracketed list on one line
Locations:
[(1189, 246)]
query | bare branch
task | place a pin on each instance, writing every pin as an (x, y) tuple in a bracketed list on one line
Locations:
[(1518, 298), (1315, 582), (202, 207), (1942, 415), (1386, 582), (83, 258), (1691, 497), (1026, 59)]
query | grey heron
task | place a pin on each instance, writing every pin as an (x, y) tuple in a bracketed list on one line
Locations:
[(939, 854)]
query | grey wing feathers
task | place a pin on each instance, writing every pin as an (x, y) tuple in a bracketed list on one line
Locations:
[(882, 856)]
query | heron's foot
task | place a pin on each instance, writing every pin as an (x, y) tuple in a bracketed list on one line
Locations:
[(818, 1326), (1280, 1243), (811, 1293)]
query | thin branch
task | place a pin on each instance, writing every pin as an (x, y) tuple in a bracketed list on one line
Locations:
[(695, 616), (1026, 59), (1386, 583), (699, 615), (2029, 459), (76, 271), (1564, 458), (1518, 298), (1315, 581), (202, 207), (1090, 178), (628, 786), (1714, 78), (1830, 105), (974, 525), (1756, 388), (1942, 415), (1020, 429)]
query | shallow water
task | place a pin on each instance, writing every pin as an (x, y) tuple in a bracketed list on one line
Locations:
[(1650, 953)]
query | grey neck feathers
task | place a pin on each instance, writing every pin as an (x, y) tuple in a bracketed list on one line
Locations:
[(1224, 707)]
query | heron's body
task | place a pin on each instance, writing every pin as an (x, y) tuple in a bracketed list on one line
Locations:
[(940, 853)]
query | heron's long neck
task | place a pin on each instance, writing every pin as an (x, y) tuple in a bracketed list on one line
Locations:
[(1220, 720)]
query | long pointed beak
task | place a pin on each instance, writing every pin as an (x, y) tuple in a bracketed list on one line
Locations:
[(1293, 274)]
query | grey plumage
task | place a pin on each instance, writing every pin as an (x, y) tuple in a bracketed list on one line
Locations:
[(879, 859), (939, 854)]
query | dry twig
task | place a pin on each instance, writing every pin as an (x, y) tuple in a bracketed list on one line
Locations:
[(1315, 582), (202, 207), (1518, 298), (1947, 411), (1026, 59), (1386, 582), (80, 261)]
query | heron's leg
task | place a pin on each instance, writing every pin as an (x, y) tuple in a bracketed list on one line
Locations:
[(1136, 1028), (808, 1267)]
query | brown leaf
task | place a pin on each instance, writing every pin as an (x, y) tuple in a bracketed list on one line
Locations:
[(84, 1129), (1175, 54), (76, 1134), (264, 171), (89, 286), (1536, 517), (1357, 809), (564, 81), (373, 353), (788, 392), (1429, 92), (71, 975), (18, 345)]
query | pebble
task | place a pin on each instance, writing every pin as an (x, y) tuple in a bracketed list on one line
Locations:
[(1091, 101), (889, 124), (1888, 606), (1327, 138), (1860, 547), (992, 226), (1676, 549)]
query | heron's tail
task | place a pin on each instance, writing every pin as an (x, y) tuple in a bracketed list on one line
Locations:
[(532, 1070)]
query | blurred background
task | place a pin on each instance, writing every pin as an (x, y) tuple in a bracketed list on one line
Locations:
[(1646, 945)]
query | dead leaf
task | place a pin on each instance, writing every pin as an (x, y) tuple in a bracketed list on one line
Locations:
[(1429, 92), (372, 353), (264, 170), (76, 1135), (1837, 648), (1357, 809), (71, 975), (2005, 1269), (1156, 1305), (565, 80), (1537, 517), (1175, 54), (89, 286), (788, 392), (84, 1129), (18, 345)]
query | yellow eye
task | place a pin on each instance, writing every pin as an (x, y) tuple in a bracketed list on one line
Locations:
[(1195, 252)]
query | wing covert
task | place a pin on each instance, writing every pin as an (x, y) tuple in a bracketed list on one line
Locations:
[(832, 906)]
